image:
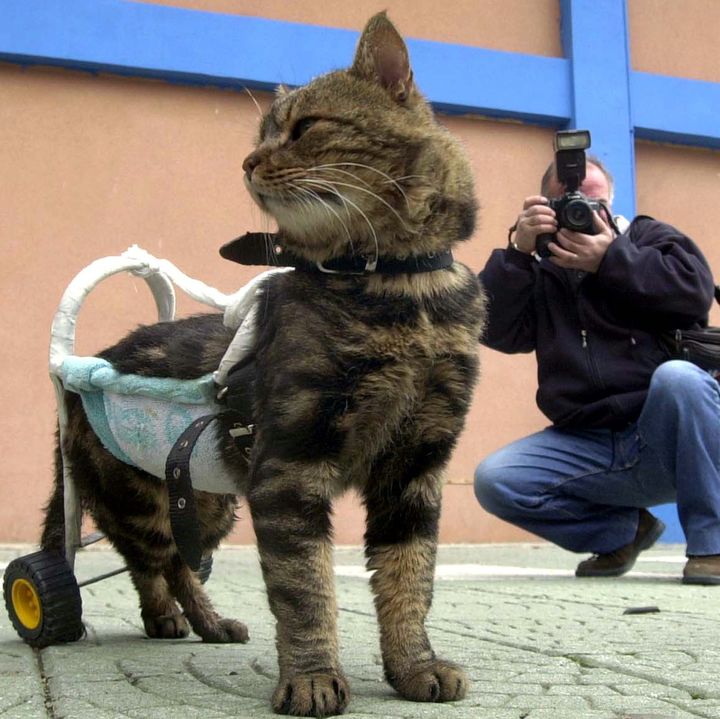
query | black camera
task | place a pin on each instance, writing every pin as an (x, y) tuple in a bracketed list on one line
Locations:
[(573, 210)]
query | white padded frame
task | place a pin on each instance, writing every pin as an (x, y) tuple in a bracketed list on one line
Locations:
[(161, 276)]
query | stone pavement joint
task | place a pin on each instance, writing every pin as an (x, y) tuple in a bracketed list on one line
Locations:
[(537, 643)]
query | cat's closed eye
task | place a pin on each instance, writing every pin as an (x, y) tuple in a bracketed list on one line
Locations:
[(301, 127)]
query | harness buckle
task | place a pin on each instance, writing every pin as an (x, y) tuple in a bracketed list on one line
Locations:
[(241, 430)]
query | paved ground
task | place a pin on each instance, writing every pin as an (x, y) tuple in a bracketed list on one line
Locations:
[(537, 643)]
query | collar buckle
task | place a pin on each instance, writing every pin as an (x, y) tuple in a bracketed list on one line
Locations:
[(370, 266)]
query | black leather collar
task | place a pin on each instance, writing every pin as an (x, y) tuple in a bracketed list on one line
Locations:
[(263, 248)]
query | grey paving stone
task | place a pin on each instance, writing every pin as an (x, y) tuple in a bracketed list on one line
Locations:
[(536, 646)]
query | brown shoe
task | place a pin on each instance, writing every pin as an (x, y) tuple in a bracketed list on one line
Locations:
[(614, 564), (702, 570)]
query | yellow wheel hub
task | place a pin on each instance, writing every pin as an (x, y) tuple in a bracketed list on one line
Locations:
[(26, 603)]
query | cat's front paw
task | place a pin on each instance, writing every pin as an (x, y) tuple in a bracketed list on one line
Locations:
[(225, 631), (435, 681), (311, 695), (166, 626)]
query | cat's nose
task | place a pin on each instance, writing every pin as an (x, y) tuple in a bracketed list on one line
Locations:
[(250, 163)]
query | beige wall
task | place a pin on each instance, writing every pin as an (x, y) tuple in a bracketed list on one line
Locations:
[(482, 23), (675, 38), (93, 164)]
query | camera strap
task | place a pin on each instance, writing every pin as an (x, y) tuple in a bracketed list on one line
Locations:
[(608, 215)]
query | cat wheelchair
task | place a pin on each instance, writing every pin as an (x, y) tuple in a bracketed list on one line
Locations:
[(41, 592)]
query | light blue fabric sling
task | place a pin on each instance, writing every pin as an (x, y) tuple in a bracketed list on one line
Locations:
[(138, 419)]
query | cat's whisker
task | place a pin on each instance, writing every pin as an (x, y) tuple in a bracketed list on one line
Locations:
[(389, 180), (322, 184), (336, 183), (408, 177), (327, 186), (306, 205), (327, 168), (255, 102), (270, 247), (331, 210), (307, 199), (328, 208)]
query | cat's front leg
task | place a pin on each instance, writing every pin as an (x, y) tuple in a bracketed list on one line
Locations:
[(401, 545), (291, 518)]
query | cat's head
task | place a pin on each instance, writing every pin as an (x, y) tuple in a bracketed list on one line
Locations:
[(354, 162)]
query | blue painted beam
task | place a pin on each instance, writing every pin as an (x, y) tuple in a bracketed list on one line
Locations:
[(467, 80), (194, 47), (174, 44), (678, 110), (594, 36), (589, 89)]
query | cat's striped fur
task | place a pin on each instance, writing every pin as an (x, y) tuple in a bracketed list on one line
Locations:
[(363, 381)]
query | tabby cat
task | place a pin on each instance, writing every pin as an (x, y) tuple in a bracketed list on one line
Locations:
[(363, 380)]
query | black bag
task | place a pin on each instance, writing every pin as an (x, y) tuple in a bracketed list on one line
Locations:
[(700, 346)]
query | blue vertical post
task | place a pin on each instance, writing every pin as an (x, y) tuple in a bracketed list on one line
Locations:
[(595, 39)]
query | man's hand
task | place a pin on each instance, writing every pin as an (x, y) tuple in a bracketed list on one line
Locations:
[(577, 251), (535, 219)]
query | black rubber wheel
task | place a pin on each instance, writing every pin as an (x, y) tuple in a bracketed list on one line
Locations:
[(205, 569), (43, 599)]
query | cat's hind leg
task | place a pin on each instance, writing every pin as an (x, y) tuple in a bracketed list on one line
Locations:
[(215, 516), (186, 587), (126, 529), (145, 542), (132, 509), (162, 618), (163, 581)]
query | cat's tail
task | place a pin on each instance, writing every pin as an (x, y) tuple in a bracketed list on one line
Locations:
[(53, 534)]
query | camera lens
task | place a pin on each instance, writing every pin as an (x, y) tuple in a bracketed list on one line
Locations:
[(578, 216)]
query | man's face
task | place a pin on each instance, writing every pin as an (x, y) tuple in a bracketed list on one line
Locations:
[(595, 185)]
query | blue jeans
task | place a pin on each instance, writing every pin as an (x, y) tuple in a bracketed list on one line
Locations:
[(581, 489)]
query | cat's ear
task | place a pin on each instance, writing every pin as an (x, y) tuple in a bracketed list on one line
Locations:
[(382, 57), (282, 90)]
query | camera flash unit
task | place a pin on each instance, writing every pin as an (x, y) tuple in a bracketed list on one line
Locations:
[(572, 140)]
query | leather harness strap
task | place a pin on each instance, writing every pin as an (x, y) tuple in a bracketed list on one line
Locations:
[(183, 510)]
